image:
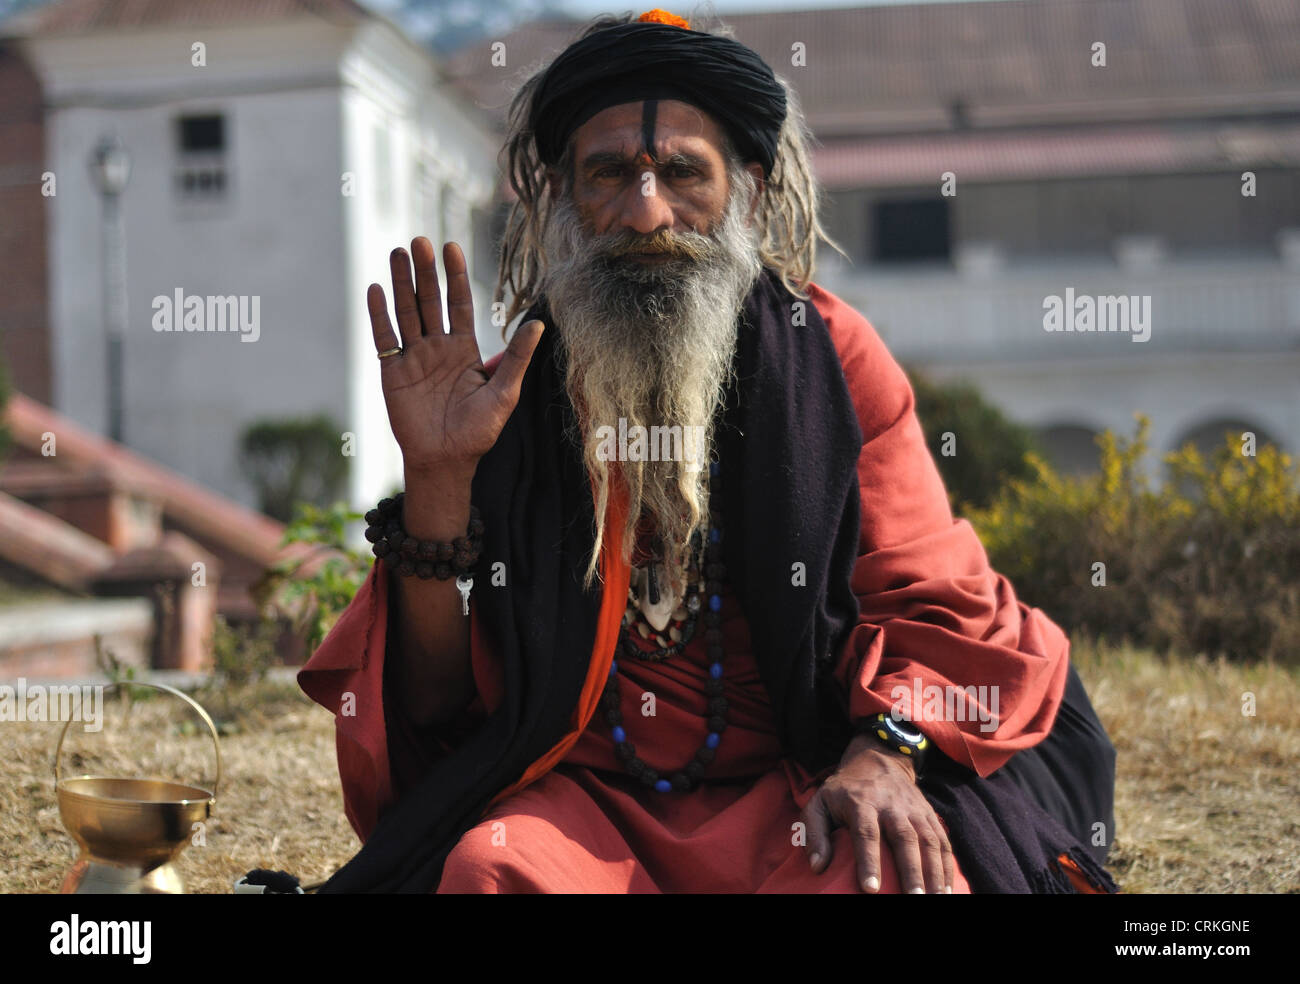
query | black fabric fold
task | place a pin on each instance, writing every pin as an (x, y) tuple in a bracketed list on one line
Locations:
[(1004, 842)]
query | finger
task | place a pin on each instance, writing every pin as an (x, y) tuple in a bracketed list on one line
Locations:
[(949, 863), (817, 825), (408, 318), (380, 326), (866, 845), (931, 854), (427, 295), (906, 848), (460, 301), (509, 374)]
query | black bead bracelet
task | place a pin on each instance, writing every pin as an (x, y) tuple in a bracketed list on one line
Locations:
[(427, 559)]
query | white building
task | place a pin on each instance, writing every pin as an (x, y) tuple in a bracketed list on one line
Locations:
[(278, 152)]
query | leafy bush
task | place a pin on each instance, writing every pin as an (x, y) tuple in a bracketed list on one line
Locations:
[(293, 460), (242, 654), (1241, 556), (990, 449), (1205, 564), (315, 600)]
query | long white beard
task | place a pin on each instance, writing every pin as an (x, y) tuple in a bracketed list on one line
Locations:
[(651, 343)]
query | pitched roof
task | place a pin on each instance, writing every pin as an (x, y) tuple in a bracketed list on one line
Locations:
[(202, 512), (1138, 148), (33, 540), (899, 68), (78, 16)]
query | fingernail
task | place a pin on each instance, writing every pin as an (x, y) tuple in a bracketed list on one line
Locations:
[(916, 891), (815, 860), (873, 884), (947, 890)]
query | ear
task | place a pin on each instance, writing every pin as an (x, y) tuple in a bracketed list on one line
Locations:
[(556, 180), (756, 169)]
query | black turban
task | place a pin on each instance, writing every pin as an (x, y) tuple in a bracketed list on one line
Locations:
[(638, 61)]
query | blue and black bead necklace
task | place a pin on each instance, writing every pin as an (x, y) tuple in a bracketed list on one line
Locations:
[(715, 573)]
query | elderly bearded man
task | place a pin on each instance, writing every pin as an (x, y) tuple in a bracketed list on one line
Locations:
[(668, 675)]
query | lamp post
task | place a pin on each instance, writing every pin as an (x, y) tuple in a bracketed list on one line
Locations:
[(110, 167)]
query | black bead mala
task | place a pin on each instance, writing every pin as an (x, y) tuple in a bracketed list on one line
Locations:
[(425, 558), (687, 777)]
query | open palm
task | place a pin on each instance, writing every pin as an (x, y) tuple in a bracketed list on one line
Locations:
[(445, 411)]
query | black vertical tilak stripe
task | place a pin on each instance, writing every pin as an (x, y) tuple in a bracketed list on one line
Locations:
[(648, 127)]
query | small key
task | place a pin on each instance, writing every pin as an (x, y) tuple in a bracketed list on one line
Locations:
[(463, 584)]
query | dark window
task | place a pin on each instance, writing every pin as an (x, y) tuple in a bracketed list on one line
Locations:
[(202, 133), (201, 158), (910, 230)]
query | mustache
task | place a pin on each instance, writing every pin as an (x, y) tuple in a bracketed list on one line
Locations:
[(692, 246)]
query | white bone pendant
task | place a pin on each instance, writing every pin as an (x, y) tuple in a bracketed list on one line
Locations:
[(659, 614)]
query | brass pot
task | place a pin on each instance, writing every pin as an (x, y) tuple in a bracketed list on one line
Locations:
[(131, 830)]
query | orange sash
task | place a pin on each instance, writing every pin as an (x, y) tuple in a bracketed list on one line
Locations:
[(616, 575)]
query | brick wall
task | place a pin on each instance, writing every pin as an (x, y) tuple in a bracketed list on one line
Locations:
[(24, 322)]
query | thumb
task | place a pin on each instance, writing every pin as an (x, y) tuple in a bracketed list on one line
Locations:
[(509, 375), (818, 830)]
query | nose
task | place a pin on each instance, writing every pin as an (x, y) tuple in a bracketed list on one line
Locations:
[(644, 208)]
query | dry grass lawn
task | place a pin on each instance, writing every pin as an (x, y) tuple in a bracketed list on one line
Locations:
[(279, 805), (1206, 801), (1207, 798)]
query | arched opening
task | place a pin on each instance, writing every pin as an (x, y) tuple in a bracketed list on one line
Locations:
[(1071, 448), (1210, 436)]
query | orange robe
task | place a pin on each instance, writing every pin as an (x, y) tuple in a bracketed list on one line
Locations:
[(932, 612)]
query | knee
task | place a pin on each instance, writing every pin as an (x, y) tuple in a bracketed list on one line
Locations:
[(475, 862), (1094, 746), (1088, 735)]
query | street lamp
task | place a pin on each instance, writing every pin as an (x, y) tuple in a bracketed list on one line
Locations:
[(110, 167)]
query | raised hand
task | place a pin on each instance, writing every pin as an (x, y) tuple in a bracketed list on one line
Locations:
[(445, 411)]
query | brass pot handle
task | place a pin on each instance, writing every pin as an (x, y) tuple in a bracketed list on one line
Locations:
[(198, 708)]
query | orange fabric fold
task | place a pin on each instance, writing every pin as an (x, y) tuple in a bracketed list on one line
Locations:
[(1078, 879), (616, 575)]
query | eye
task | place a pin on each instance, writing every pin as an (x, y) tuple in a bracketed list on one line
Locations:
[(612, 171), (683, 171)]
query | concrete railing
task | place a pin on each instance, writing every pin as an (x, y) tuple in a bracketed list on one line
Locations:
[(985, 314)]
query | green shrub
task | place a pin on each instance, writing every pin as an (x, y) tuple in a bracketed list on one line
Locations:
[(293, 460), (242, 654), (1241, 557), (315, 601), (989, 449), (1205, 564)]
